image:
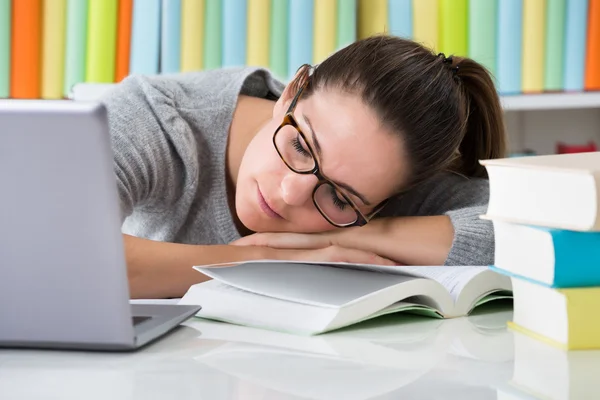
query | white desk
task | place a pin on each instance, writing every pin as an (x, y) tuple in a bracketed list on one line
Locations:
[(394, 357)]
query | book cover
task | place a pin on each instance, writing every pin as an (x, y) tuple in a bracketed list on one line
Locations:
[(346, 23), (301, 34), (509, 55), (257, 43), (170, 39), (75, 45), (192, 31), (575, 37), (400, 18), (145, 37), (534, 28), (453, 27), (5, 22), (54, 14), (555, 45), (234, 31), (425, 23), (482, 31), (592, 58), (278, 39), (123, 39), (101, 41), (324, 38), (372, 18), (213, 34), (26, 43)]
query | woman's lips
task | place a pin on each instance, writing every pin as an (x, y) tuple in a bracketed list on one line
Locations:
[(266, 208)]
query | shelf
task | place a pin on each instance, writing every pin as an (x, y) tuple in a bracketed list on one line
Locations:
[(551, 101)]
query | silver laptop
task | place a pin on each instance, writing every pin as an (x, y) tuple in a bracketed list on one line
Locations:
[(63, 277)]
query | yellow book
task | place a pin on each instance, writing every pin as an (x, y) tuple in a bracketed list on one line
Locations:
[(192, 29), (564, 318), (53, 48), (101, 41), (453, 27), (425, 23), (324, 38), (257, 39), (372, 17), (534, 27)]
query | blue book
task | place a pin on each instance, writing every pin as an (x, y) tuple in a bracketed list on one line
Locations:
[(145, 37), (575, 43), (300, 24), (234, 32), (547, 256), (400, 18), (508, 56), (170, 38)]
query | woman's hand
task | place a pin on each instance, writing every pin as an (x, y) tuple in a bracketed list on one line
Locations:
[(286, 240)]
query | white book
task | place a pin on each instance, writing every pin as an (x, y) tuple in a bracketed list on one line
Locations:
[(312, 298)]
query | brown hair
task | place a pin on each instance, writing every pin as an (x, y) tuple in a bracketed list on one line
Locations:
[(449, 118)]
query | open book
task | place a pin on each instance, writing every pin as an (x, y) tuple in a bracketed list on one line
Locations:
[(312, 298)]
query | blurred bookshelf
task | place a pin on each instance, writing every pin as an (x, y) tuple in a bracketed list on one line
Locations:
[(551, 101)]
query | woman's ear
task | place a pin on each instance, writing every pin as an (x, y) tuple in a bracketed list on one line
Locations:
[(290, 91)]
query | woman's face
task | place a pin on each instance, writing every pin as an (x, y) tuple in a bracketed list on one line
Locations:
[(355, 152)]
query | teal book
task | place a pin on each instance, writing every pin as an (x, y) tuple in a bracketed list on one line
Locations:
[(278, 45), (400, 18), (75, 47), (482, 33), (213, 34), (170, 39), (509, 45), (575, 44), (346, 23), (5, 12), (555, 45), (234, 32), (145, 37)]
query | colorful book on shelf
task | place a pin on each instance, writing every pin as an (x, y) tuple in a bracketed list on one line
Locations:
[(234, 30), (482, 31), (552, 257), (301, 34), (213, 34), (400, 18), (425, 23), (170, 37), (534, 28), (372, 18), (346, 23), (53, 48), (101, 41), (592, 60), (75, 44), (145, 37), (453, 27), (278, 39), (5, 27), (25, 56), (509, 47), (192, 31), (325, 22), (575, 37), (123, 46), (258, 25), (554, 51)]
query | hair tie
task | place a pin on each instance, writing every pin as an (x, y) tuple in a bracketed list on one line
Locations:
[(445, 60)]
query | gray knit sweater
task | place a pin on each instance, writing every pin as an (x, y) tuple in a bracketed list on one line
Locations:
[(169, 136)]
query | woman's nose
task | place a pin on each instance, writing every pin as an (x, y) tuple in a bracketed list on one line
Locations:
[(297, 189)]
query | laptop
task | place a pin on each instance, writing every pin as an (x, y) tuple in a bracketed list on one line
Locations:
[(63, 275)]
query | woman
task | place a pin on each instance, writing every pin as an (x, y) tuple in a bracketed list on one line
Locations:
[(371, 157)]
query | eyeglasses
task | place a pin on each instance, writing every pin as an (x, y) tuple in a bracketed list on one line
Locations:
[(293, 148)]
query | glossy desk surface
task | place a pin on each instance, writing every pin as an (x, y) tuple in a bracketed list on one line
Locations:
[(393, 357)]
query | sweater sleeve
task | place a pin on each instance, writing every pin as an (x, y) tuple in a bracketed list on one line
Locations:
[(463, 200)]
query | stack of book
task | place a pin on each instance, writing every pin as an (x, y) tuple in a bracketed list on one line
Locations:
[(546, 216)]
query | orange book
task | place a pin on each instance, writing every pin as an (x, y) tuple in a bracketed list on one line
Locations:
[(592, 59), (26, 49), (123, 39)]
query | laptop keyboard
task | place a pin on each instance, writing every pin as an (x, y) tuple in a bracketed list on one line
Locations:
[(139, 320)]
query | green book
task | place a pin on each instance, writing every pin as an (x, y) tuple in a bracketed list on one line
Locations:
[(555, 45), (346, 23), (453, 27), (101, 41), (482, 32), (213, 35), (75, 44), (5, 12), (278, 39)]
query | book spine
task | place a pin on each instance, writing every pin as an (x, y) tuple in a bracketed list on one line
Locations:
[(510, 18), (575, 33), (346, 23), (482, 32), (372, 17), (125, 15), (592, 66), (400, 18), (75, 44), (213, 34), (5, 27), (101, 41), (25, 57), (53, 48), (192, 29), (145, 37), (234, 32), (259, 16), (325, 29), (425, 23), (555, 45), (534, 22), (577, 256), (170, 41), (453, 27), (301, 34), (278, 43)]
